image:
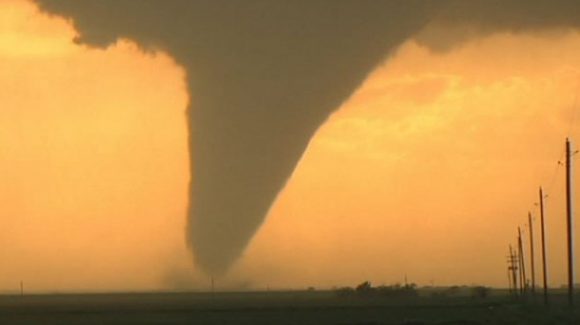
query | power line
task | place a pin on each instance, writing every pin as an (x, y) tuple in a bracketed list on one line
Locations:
[(574, 111), (554, 178)]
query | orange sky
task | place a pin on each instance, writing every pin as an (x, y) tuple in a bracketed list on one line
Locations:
[(427, 170), (94, 159)]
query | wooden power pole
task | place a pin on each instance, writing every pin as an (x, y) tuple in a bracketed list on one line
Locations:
[(513, 268), (533, 268), (509, 278), (544, 267), (522, 262), (570, 238)]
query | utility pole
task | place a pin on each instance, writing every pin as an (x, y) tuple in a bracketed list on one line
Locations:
[(513, 268), (509, 276), (522, 262), (544, 267), (532, 253), (569, 224)]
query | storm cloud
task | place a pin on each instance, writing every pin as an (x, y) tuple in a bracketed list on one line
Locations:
[(263, 75)]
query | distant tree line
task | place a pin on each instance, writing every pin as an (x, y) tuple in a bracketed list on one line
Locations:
[(480, 292), (365, 289)]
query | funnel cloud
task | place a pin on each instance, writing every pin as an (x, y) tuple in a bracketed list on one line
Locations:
[(263, 75)]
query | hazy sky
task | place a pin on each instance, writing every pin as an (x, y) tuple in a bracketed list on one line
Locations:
[(426, 170)]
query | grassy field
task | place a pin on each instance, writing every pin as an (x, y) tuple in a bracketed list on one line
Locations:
[(295, 307)]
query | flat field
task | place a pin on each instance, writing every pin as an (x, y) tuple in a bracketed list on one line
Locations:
[(288, 307)]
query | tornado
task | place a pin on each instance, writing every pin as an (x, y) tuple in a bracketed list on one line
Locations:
[(264, 75)]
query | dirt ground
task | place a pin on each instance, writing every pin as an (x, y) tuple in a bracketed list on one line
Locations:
[(319, 307)]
